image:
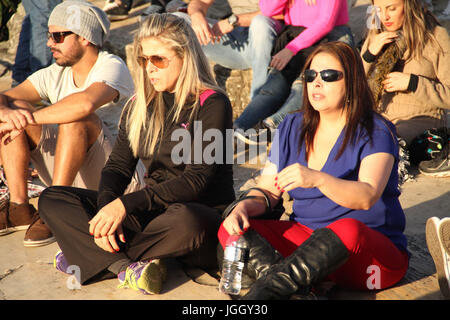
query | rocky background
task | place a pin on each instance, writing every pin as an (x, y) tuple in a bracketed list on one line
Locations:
[(236, 82)]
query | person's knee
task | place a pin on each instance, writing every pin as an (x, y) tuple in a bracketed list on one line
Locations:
[(276, 85), (194, 224), (185, 222), (262, 31), (46, 202), (87, 128), (350, 232), (262, 24)]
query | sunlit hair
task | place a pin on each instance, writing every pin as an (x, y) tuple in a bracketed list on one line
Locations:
[(147, 119), (418, 28), (358, 102)]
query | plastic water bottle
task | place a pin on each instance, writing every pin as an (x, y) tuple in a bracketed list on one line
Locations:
[(235, 255)]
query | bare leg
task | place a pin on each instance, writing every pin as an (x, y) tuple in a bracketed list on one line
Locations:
[(72, 144), (74, 140), (15, 157)]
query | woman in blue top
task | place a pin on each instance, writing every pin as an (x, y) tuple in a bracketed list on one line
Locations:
[(337, 158)]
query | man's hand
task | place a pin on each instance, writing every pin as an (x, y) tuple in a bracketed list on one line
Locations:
[(18, 113), (202, 29), (8, 132)]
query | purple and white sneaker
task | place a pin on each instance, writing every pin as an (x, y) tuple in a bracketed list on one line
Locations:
[(144, 276), (60, 262)]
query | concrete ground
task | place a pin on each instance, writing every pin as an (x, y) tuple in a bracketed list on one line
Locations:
[(28, 274)]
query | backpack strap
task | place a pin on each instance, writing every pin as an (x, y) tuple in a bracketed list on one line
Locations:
[(205, 95)]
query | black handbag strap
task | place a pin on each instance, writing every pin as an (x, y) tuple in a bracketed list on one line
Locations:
[(245, 196)]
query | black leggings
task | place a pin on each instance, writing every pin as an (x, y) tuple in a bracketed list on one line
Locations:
[(184, 230)]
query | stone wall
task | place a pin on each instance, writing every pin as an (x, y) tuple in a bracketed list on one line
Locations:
[(237, 84)]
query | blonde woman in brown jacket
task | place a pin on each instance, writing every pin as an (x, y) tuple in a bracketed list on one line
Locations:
[(407, 60)]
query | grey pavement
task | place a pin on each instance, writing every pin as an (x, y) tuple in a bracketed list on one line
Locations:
[(28, 273)]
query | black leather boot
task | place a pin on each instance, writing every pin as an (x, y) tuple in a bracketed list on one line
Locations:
[(261, 255), (321, 254)]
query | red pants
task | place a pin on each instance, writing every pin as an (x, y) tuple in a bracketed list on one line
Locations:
[(374, 261)]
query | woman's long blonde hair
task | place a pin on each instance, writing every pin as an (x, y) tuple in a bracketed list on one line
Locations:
[(418, 28), (147, 118)]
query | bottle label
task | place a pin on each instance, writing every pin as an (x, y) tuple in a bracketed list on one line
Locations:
[(234, 254)]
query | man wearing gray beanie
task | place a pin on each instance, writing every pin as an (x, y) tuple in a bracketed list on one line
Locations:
[(83, 19), (70, 140)]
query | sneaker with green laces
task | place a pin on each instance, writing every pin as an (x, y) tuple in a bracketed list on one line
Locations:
[(144, 276)]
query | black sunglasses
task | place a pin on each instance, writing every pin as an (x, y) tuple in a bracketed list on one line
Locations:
[(328, 75), (58, 37)]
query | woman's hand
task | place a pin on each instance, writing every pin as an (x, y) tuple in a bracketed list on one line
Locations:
[(106, 224), (380, 40), (281, 59), (237, 221), (396, 81), (295, 176)]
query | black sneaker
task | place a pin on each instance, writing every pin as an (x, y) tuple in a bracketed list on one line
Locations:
[(438, 167), (117, 10)]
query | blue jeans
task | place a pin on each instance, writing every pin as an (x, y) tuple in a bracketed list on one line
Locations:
[(32, 51), (293, 103), (268, 100), (245, 48), (277, 98)]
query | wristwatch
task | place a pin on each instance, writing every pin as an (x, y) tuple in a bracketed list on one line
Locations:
[(233, 20)]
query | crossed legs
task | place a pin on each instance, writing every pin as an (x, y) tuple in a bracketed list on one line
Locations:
[(72, 144)]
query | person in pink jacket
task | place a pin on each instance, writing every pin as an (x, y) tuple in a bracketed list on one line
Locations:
[(318, 19), (307, 23)]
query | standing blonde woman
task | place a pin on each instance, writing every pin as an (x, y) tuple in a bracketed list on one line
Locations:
[(407, 60), (178, 213)]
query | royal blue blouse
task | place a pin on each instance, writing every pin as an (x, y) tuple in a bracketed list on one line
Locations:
[(312, 208)]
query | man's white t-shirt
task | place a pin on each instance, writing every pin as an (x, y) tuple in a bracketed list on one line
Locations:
[(55, 83)]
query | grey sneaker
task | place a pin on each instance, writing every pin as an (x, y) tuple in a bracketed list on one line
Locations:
[(439, 167), (439, 253)]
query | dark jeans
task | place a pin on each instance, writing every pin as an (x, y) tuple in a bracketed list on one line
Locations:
[(32, 51), (185, 230)]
